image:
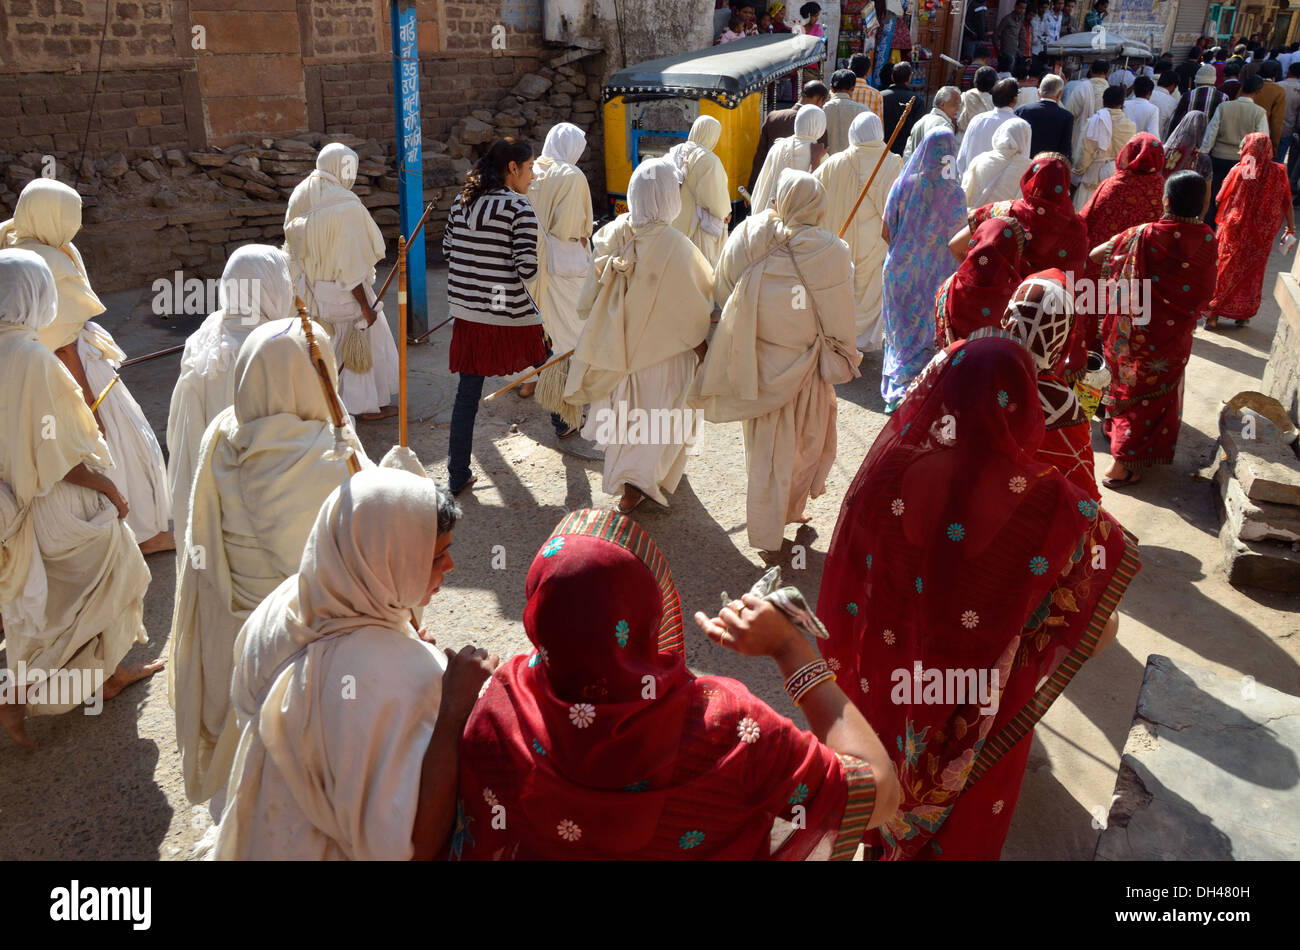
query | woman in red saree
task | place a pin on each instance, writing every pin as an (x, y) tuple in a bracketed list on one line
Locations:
[(1131, 196), (975, 296), (958, 555), (1057, 236), (1254, 200), (1170, 263), (602, 745), (1041, 316)]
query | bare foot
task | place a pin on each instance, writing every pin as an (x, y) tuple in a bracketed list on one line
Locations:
[(162, 541), (802, 519), (526, 390), (124, 676), (386, 413), (11, 717), (631, 498)]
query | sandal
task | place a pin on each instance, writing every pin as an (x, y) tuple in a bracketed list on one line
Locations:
[(1132, 478), (568, 433), (641, 496), (455, 492)]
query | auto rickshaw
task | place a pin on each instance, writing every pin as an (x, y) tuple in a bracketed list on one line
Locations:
[(650, 107)]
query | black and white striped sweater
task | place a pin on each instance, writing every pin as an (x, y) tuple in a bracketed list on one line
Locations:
[(491, 251)]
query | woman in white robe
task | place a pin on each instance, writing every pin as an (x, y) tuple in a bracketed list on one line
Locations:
[(800, 151), (561, 199), (261, 474), (255, 288), (995, 175), (647, 307), (774, 365), (45, 220), (706, 200), (333, 245), (72, 580), (843, 175), (349, 727)]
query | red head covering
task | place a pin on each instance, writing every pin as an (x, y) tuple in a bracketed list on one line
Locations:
[(603, 745), (950, 544), (1255, 172), (976, 294), (1056, 235), (1133, 195)]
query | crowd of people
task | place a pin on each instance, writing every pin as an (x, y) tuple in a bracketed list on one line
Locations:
[(976, 253)]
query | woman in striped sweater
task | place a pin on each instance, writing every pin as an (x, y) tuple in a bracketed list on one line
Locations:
[(491, 248)]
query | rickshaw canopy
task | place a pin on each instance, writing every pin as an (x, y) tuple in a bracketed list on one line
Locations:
[(726, 73), (1102, 41)]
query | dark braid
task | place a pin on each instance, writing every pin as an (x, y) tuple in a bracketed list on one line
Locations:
[(489, 172)]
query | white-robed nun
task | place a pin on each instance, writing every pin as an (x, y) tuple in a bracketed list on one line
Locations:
[(255, 288), (647, 306), (995, 175), (798, 151), (843, 175), (261, 474), (333, 245), (47, 217), (72, 580), (706, 202), (773, 366)]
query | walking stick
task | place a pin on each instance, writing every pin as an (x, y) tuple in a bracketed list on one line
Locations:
[(428, 333), (389, 279), (113, 382), (152, 356), (327, 387), (528, 375), (401, 340), (880, 161)]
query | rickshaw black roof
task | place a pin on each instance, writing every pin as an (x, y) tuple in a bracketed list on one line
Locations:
[(728, 72)]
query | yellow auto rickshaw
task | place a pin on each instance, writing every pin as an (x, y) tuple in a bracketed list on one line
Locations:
[(650, 107)]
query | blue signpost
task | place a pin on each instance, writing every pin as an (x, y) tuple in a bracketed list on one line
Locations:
[(410, 163)]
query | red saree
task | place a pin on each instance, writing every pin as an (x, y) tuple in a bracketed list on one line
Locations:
[(1133, 195), (1057, 236), (957, 550), (602, 745), (1147, 354), (975, 296), (1252, 204)]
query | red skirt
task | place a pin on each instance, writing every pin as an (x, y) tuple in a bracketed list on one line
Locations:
[(485, 349)]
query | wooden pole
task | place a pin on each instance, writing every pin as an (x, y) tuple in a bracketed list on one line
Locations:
[(392, 273), (152, 356), (528, 375), (888, 147), (424, 336), (401, 341), (327, 387)]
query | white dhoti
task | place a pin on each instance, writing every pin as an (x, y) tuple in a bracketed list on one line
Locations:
[(139, 471), (646, 428)]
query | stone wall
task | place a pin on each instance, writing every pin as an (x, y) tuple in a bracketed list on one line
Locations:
[(54, 34)]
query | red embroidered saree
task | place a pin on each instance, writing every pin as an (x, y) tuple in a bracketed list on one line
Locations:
[(1174, 260), (602, 745), (975, 296), (956, 549), (1252, 205)]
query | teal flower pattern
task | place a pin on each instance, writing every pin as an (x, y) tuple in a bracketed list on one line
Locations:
[(537, 747), (640, 786), (852, 609), (1038, 565), (1003, 398), (913, 745), (956, 531), (553, 547), (868, 562), (799, 795), (920, 587), (621, 632), (691, 839), (1088, 508)]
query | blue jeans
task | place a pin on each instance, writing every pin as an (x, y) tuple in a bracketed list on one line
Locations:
[(469, 393)]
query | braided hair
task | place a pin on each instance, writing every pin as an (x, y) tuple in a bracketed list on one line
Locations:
[(489, 172)]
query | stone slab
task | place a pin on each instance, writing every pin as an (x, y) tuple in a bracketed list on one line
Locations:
[(1267, 565), (1267, 467), (1254, 521), (1210, 771)]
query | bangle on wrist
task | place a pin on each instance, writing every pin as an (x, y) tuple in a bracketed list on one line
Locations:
[(806, 678)]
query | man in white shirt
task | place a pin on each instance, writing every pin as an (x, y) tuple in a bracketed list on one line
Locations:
[(1165, 98), (1048, 29), (1140, 109), (1083, 99), (979, 134)]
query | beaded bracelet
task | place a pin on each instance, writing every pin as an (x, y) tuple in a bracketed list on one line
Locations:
[(806, 678)]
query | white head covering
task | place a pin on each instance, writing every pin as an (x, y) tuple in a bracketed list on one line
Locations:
[(800, 199), (1013, 137), (654, 193), (27, 294), (339, 162), (866, 128), (255, 286), (809, 123), (1206, 75), (705, 132), (565, 143)]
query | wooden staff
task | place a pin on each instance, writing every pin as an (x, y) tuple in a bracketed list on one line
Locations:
[(902, 119), (529, 375), (152, 356), (327, 387), (107, 389), (428, 333), (389, 279), (401, 339)]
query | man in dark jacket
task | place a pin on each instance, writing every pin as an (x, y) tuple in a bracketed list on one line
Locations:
[(896, 97), (1009, 30), (779, 124), (1051, 125)]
